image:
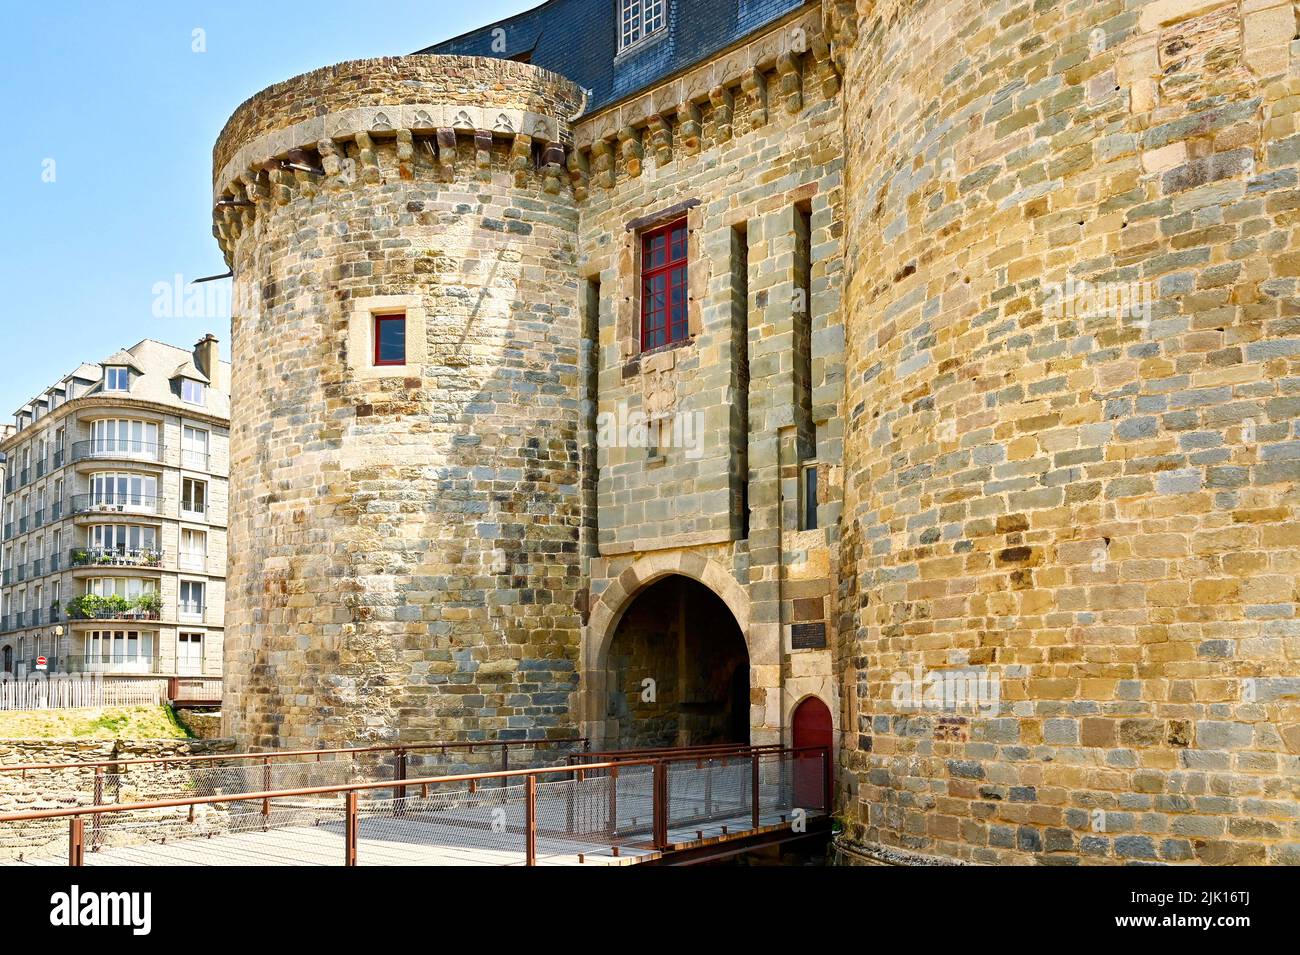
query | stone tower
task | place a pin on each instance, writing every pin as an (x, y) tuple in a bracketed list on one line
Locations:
[(1070, 452), (404, 545)]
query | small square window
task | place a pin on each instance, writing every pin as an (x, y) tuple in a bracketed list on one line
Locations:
[(192, 391), (390, 339), (117, 378)]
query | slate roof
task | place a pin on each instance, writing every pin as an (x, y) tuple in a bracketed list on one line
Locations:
[(579, 39)]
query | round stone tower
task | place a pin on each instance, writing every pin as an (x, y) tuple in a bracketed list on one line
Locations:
[(1068, 580), (404, 469)]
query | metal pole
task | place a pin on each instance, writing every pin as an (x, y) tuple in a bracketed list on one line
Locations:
[(505, 761), (399, 773), (530, 820), (350, 829), (754, 807), (76, 841), (661, 805)]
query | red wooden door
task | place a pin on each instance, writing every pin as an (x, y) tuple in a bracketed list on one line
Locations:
[(811, 727)]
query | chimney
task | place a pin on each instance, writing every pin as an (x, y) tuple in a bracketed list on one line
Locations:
[(207, 356)]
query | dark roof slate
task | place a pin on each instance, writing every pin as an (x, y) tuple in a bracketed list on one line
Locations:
[(578, 39)]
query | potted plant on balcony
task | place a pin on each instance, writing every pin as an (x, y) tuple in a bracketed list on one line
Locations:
[(153, 558), (81, 557), (148, 605)]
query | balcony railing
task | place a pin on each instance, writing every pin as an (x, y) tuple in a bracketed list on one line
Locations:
[(40, 470), (99, 448), (58, 458), (7, 623), (105, 613), (115, 557), (109, 663), (56, 511), (194, 460), (37, 568), (25, 476), (36, 618), (55, 561), (115, 503), (11, 482), (38, 518), (9, 530), (20, 572), (8, 576), (23, 523)]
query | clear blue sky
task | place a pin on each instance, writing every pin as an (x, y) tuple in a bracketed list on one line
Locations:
[(114, 94)]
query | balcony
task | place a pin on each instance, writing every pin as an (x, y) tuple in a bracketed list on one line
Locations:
[(36, 618), (7, 623), (115, 504), (20, 572), (24, 523), (194, 460), (40, 470), (25, 476), (114, 557), (9, 530), (56, 511), (11, 482), (146, 607), (38, 518), (8, 576), (58, 459), (124, 662), (55, 563), (37, 568), (100, 449)]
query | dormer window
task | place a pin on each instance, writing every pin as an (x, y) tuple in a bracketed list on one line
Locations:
[(192, 391), (117, 378), (638, 20)]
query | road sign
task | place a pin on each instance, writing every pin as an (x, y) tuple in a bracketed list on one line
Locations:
[(41, 663)]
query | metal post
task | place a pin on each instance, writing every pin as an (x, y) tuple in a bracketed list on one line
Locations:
[(266, 788), (530, 820), (76, 841), (708, 790), (399, 773), (505, 761), (350, 829), (613, 801), (661, 805), (754, 797)]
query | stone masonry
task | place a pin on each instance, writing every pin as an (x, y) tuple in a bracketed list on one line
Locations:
[(1011, 285)]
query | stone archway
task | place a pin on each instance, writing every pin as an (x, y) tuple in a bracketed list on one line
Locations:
[(612, 606)]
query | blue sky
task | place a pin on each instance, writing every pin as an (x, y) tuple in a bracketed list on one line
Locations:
[(116, 97)]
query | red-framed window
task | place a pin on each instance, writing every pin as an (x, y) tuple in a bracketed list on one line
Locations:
[(663, 285), (390, 339)]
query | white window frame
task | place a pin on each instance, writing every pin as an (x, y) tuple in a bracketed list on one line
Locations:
[(111, 378), (188, 383), (639, 21)]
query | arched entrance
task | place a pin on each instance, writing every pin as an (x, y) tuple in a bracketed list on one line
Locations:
[(677, 670), (811, 726)]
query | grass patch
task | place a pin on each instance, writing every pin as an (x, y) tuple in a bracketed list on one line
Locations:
[(108, 722)]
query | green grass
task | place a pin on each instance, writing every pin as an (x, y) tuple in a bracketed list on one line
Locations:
[(109, 722)]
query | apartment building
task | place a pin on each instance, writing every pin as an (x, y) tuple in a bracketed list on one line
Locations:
[(114, 518)]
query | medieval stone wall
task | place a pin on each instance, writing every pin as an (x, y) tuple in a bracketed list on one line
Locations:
[(404, 539), (1091, 496), (745, 149)]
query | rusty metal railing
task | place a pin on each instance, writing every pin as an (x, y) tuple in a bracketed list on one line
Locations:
[(747, 789)]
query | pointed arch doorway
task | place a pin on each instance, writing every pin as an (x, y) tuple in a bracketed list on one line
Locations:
[(811, 726)]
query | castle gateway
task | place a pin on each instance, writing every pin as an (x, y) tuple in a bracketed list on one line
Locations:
[(918, 375)]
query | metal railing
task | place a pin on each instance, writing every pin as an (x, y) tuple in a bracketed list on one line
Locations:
[(642, 808), (115, 557), (114, 448), (115, 504), (127, 663)]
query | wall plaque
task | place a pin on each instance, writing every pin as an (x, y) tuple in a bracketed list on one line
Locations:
[(808, 636)]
